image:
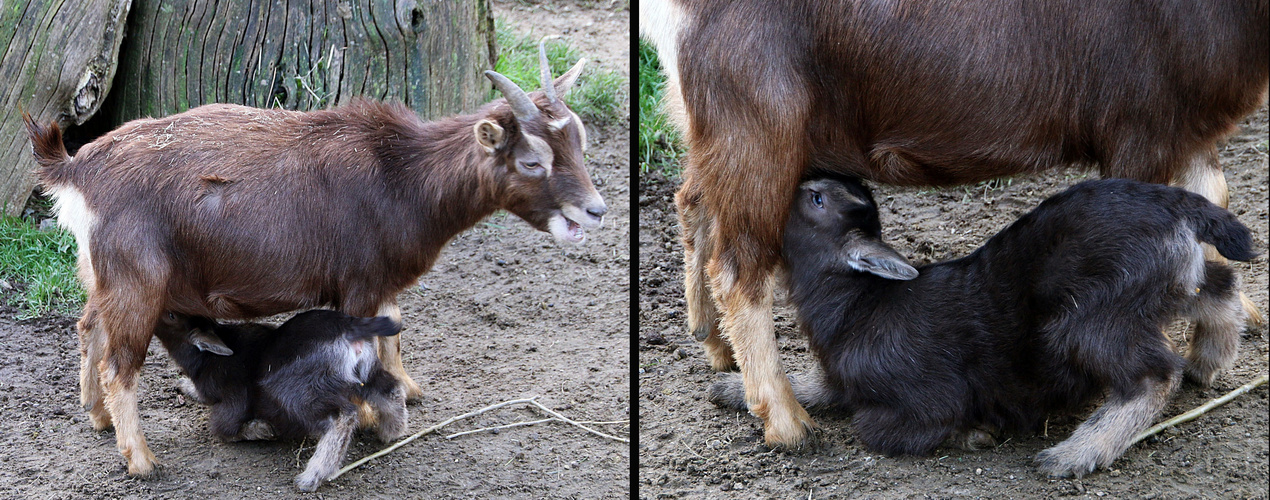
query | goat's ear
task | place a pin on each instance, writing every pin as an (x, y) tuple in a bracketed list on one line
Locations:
[(875, 257), (207, 342), (564, 82), (489, 135)]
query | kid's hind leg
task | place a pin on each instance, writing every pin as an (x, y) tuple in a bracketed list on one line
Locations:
[(329, 452), (1219, 317), (388, 398), (1203, 176), (1103, 438)]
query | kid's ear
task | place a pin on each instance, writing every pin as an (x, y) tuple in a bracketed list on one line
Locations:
[(489, 135), (207, 342), (875, 257)]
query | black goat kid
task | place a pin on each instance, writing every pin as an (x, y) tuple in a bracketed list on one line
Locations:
[(307, 377), (1066, 304)]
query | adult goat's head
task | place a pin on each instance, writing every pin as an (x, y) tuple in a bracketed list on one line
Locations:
[(538, 156)]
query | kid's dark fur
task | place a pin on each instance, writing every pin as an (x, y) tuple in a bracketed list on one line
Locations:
[(1066, 304), (307, 377)]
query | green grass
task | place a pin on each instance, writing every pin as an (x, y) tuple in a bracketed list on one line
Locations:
[(658, 141), (39, 267), (599, 96)]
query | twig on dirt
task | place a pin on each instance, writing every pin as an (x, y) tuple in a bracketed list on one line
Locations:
[(532, 422), (427, 431), (690, 450), (1193, 414), (566, 420), (533, 401), (506, 426)]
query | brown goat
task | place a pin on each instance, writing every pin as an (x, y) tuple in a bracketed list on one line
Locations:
[(232, 212), (923, 93)]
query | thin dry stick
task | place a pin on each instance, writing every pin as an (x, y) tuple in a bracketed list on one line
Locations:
[(521, 424), (575, 424), (507, 426), (425, 432), (1191, 415)]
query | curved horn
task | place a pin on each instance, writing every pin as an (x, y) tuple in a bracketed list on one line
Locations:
[(547, 88), (522, 106)]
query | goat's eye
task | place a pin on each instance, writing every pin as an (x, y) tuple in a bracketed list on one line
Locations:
[(817, 200), (171, 316), (531, 165)]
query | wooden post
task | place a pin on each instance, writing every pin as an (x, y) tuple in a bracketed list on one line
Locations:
[(57, 62)]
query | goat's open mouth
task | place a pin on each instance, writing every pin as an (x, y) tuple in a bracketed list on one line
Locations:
[(575, 231), (566, 229)]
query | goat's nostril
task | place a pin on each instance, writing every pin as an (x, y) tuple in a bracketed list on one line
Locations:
[(598, 212)]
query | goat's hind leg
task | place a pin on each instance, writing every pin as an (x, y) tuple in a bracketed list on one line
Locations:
[(128, 326), (389, 349), (329, 452), (1105, 436), (703, 314), (92, 395), (1219, 316)]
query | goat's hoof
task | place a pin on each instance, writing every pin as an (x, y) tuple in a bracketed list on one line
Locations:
[(1201, 377), (100, 420), (256, 430), (414, 393), (720, 356), (1059, 462), (308, 482), (973, 439), (142, 465), (791, 432), (729, 392)]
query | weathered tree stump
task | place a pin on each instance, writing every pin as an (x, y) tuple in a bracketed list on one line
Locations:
[(302, 54), (57, 62)]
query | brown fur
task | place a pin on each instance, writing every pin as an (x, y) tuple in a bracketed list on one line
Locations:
[(232, 212), (919, 93)]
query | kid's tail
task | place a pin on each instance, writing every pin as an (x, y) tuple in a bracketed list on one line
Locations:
[(1221, 229), (366, 328)]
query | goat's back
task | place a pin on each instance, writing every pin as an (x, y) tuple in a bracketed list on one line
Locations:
[(950, 92)]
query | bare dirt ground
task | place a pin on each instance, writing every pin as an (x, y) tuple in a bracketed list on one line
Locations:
[(506, 313), (690, 449)]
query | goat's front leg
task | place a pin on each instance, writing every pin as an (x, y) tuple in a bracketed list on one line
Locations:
[(1203, 175), (703, 315), (390, 353), (330, 450), (747, 322), (91, 394), (128, 331)]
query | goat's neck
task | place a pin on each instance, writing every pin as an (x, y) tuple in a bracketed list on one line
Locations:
[(452, 178)]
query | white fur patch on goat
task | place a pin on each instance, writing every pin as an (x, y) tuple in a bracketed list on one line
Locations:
[(73, 214), (660, 22), (561, 123), (542, 149)]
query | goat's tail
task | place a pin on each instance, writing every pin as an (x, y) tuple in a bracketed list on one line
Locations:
[(810, 389), (46, 143), (1220, 228), (367, 328)]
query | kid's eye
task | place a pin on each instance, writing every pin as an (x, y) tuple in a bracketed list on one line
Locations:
[(817, 200)]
